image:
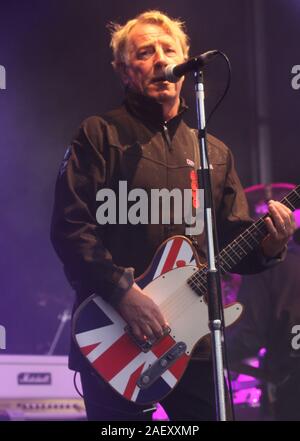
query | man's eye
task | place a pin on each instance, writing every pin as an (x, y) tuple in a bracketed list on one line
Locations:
[(144, 53), (170, 50)]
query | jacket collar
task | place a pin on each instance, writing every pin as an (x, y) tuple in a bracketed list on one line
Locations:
[(149, 110)]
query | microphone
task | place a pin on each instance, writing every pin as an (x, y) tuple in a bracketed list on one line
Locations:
[(173, 72)]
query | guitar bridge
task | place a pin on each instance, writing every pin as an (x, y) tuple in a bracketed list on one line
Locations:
[(161, 365), (147, 344)]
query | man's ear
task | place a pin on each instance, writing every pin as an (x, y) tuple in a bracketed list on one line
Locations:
[(122, 70)]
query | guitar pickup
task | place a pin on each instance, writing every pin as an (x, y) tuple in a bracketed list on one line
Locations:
[(161, 365), (147, 344)]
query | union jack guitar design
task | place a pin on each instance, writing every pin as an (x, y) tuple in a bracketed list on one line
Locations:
[(146, 372)]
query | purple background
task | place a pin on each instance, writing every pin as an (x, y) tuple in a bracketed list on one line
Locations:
[(57, 60)]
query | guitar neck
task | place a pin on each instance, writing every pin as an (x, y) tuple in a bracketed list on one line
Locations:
[(243, 245), (250, 239)]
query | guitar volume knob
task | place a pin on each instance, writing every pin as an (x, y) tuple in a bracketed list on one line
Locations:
[(145, 379), (163, 362)]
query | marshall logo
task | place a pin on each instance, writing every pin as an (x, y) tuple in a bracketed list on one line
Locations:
[(38, 378)]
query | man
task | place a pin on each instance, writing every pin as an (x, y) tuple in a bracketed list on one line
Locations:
[(146, 143)]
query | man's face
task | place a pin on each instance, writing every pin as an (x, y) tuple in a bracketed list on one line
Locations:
[(150, 49)]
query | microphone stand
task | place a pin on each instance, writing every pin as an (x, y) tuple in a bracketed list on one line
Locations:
[(213, 273)]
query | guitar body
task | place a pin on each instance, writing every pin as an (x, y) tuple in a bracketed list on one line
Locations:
[(146, 373)]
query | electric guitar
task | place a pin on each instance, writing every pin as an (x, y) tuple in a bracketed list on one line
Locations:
[(145, 372)]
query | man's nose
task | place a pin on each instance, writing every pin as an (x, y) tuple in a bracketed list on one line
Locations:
[(160, 58)]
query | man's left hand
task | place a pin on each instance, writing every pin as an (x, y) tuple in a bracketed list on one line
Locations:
[(281, 226)]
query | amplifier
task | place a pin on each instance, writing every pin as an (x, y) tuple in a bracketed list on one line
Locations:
[(39, 387)]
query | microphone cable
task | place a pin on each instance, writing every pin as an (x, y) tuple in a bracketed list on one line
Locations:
[(228, 83)]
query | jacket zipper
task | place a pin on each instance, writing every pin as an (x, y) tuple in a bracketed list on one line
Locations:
[(167, 136)]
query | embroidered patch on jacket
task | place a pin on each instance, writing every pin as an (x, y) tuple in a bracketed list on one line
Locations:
[(190, 162)]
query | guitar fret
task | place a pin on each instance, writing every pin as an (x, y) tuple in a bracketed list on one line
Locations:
[(247, 243), (197, 283), (294, 197), (229, 256), (199, 288), (202, 283), (257, 227), (223, 269), (194, 286), (253, 238), (230, 246), (224, 262), (200, 276), (239, 246), (290, 205), (255, 232), (196, 279)]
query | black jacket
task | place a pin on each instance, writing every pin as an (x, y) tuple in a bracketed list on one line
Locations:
[(133, 144)]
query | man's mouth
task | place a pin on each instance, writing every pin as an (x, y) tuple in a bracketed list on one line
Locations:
[(159, 79)]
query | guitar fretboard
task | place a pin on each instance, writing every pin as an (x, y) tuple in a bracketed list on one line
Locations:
[(243, 245)]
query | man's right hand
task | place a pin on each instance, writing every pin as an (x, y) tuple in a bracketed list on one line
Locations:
[(141, 313)]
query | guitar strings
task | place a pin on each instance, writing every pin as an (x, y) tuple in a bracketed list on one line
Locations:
[(250, 238)]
